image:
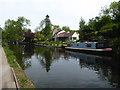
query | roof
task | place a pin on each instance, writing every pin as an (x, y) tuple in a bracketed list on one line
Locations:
[(65, 34), (56, 31)]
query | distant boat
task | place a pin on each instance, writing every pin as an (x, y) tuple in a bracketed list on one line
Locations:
[(89, 47)]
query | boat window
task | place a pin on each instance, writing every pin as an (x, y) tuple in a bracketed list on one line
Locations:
[(77, 44), (88, 45)]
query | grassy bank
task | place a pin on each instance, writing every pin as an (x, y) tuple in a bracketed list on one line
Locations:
[(22, 79), (52, 43)]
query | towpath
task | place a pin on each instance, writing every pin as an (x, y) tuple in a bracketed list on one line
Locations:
[(6, 74)]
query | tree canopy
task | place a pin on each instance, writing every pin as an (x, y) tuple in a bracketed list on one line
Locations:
[(46, 28), (105, 27), (14, 30)]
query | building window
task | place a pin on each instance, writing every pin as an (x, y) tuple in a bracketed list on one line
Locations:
[(70, 38), (74, 38)]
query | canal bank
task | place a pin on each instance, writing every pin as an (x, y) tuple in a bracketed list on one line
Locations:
[(13, 76), (7, 77)]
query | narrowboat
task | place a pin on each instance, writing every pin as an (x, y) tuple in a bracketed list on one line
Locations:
[(89, 47)]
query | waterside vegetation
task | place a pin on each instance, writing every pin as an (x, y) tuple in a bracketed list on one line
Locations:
[(22, 79)]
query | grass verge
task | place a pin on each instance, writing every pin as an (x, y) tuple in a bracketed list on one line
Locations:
[(51, 43), (22, 79)]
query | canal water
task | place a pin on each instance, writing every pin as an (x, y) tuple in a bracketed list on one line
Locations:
[(59, 68)]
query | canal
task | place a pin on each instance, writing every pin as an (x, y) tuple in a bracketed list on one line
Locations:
[(58, 68)]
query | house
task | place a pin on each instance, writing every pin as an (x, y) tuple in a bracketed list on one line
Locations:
[(56, 33), (65, 36)]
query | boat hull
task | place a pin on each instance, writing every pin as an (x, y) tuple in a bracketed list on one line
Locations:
[(91, 51)]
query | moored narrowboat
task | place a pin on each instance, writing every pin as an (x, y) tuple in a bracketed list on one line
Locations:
[(89, 47)]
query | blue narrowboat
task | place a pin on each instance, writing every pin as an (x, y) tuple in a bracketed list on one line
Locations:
[(88, 47)]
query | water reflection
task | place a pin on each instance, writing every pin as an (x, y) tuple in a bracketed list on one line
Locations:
[(23, 54), (47, 56), (106, 67), (105, 70)]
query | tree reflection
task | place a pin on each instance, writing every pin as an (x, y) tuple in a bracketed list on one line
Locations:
[(106, 69), (22, 54), (28, 51), (47, 56)]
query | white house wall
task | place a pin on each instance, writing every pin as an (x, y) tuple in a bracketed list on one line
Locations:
[(76, 35)]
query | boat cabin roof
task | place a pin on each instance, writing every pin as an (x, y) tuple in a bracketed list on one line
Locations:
[(87, 42)]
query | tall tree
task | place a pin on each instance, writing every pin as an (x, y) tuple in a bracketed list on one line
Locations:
[(14, 30), (81, 24), (46, 27)]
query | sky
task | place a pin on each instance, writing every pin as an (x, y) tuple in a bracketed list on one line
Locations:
[(61, 12)]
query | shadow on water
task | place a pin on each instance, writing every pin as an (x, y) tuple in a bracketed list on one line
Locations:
[(23, 54), (107, 68)]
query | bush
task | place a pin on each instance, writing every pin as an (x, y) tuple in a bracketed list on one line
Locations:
[(115, 44)]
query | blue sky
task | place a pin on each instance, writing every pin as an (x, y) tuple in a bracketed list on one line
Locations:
[(61, 12)]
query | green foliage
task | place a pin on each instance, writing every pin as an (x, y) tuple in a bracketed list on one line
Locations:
[(56, 27), (53, 43), (114, 9), (23, 82), (40, 36), (46, 28), (82, 24), (98, 22), (14, 30), (108, 31), (103, 27), (115, 44), (11, 57), (66, 28)]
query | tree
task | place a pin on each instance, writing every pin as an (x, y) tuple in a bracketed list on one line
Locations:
[(103, 27), (14, 30), (40, 36), (114, 9), (117, 14), (82, 24), (56, 27), (46, 27), (84, 31), (66, 28), (105, 11)]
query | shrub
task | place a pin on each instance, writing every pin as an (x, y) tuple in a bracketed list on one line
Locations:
[(115, 44)]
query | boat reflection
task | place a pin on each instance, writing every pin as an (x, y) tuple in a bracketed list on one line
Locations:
[(106, 67)]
